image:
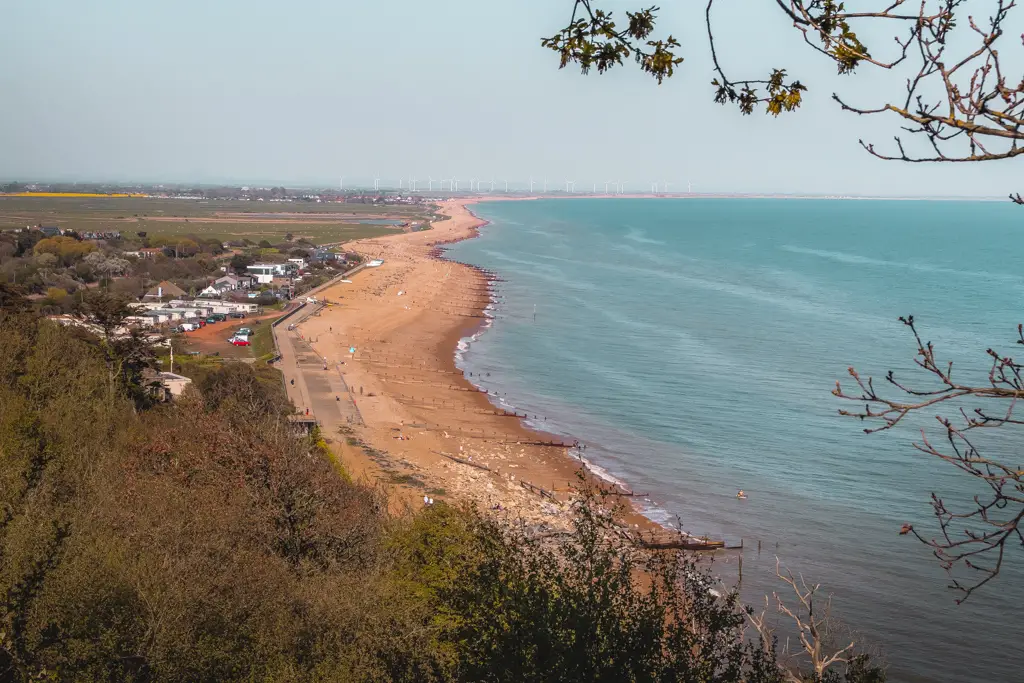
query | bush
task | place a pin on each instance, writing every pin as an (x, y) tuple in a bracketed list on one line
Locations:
[(204, 540)]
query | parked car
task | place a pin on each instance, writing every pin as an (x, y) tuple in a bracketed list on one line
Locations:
[(243, 332), (219, 317), (238, 314), (188, 327), (201, 323), (240, 341)]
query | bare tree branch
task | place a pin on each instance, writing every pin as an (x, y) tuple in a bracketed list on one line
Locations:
[(816, 630), (975, 538)]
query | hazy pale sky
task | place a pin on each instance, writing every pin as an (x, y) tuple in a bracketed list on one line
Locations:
[(306, 91)]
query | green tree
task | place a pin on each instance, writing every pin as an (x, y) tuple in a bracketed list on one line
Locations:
[(239, 262), (67, 249)]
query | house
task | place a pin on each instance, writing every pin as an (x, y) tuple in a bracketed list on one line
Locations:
[(164, 289), (323, 255), (150, 252), (139, 320), (202, 308), (174, 384), (225, 307), (300, 263), (302, 425), (154, 318), (49, 230), (165, 386), (233, 282), (264, 273), (212, 292)]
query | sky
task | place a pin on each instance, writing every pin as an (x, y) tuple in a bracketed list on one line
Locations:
[(304, 92)]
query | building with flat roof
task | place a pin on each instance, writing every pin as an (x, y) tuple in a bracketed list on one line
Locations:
[(266, 272)]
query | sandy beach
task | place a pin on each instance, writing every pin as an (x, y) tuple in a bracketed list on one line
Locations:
[(424, 429)]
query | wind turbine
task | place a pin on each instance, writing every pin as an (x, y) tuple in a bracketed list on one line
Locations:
[(666, 185), (413, 181), (506, 187), (376, 183), (689, 187), (654, 188), (545, 186), (531, 184), (456, 184), (342, 183), (430, 181), (606, 184), (492, 183)]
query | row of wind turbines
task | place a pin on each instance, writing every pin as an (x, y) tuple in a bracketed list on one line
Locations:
[(477, 185)]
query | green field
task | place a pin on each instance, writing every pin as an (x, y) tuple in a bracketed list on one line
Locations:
[(222, 219)]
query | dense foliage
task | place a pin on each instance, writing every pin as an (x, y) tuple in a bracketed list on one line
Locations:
[(204, 540)]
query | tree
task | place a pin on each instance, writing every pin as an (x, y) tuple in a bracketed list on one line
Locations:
[(264, 244), (107, 266), (963, 106), (66, 249), (509, 604), (974, 538), (127, 352), (288, 237), (239, 262), (960, 102), (13, 298)]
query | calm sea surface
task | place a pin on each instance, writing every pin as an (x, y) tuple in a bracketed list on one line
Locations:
[(692, 345)]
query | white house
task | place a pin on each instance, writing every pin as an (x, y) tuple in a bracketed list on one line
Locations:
[(225, 307), (233, 282), (202, 308), (266, 272), (300, 263)]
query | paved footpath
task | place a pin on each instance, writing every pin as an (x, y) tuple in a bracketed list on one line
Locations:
[(323, 393)]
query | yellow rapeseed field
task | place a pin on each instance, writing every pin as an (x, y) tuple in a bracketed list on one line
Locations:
[(69, 194)]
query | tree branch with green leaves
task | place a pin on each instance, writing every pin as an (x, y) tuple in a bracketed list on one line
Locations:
[(959, 100)]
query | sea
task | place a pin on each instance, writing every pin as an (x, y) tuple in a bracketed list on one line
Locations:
[(692, 345)]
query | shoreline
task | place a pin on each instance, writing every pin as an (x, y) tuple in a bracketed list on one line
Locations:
[(429, 430)]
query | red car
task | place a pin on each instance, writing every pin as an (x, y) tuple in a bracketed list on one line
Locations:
[(239, 342)]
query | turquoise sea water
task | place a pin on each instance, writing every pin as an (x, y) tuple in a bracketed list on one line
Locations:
[(692, 344)]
